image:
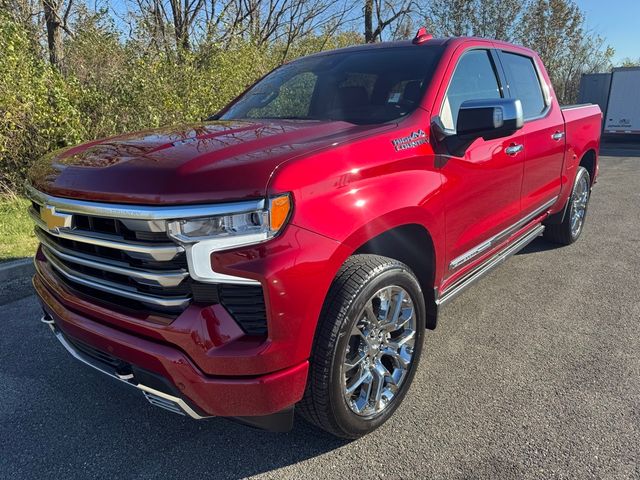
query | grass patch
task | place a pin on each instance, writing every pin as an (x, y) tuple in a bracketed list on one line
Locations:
[(17, 239)]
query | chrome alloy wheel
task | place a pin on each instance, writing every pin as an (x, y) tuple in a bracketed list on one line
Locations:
[(379, 351), (579, 201)]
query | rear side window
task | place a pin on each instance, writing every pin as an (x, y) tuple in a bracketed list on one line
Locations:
[(474, 79), (524, 83)]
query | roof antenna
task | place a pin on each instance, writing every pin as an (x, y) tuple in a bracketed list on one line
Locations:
[(422, 36)]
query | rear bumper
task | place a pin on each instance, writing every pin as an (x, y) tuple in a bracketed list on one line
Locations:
[(164, 373)]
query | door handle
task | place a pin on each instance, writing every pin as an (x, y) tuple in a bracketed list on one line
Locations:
[(514, 149), (557, 136)]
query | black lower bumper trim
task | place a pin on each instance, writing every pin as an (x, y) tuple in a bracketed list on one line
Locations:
[(281, 421)]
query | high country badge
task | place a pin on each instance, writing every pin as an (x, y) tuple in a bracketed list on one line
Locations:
[(413, 140)]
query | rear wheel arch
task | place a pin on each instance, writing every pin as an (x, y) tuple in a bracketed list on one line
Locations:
[(588, 161)]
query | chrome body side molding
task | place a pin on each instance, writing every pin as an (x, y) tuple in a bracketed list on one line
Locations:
[(499, 237), (487, 266)]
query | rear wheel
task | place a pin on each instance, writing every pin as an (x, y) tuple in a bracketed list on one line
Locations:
[(572, 224), (367, 346)]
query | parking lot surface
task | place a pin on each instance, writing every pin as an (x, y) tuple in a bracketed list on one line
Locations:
[(534, 372)]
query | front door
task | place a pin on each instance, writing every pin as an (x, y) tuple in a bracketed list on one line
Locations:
[(481, 188)]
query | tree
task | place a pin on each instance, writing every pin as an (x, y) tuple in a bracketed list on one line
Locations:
[(553, 28), (386, 14), (260, 22), (630, 62), (556, 30), (180, 16), (496, 18), (450, 18), (56, 16), (481, 18)]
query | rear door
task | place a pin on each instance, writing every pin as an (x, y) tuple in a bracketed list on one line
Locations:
[(543, 130), (482, 187)]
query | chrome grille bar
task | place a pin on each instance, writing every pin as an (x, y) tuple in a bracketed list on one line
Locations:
[(162, 278), (111, 287), (156, 252), (149, 213)]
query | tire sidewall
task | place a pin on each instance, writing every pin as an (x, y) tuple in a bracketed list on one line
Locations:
[(347, 420), (582, 172)]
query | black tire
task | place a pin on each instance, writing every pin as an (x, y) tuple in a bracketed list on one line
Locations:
[(563, 233), (358, 281)]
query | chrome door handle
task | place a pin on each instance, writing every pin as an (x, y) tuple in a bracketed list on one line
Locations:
[(557, 136), (514, 149)]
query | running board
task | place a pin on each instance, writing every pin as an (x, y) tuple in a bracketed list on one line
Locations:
[(492, 262)]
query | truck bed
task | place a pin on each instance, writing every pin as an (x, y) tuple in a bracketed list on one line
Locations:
[(583, 124)]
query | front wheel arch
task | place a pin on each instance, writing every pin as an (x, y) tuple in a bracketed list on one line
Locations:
[(412, 245)]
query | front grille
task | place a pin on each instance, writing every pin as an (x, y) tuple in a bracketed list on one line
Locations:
[(98, 258), (132, 265)]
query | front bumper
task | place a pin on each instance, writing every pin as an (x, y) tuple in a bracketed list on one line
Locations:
[(175, 380), (159, 398)]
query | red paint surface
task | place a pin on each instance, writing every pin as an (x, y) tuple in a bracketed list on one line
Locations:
[(348, 185)]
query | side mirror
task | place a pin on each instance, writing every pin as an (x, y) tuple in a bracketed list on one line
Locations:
[(487, 119)]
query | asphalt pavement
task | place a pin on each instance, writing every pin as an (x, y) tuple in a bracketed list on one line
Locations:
[(534, 372)]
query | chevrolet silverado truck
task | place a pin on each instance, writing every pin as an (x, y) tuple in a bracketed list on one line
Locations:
[(292, 250)]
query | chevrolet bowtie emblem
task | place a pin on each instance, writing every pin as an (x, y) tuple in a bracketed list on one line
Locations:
[(53, 219)]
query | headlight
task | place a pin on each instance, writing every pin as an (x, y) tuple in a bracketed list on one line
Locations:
[(233, 229)]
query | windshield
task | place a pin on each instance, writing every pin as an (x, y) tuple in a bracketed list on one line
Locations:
[(358, 86)]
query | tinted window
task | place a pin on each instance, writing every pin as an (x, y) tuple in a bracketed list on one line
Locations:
[(293, 100), (524, 83), (473, 79), (359, 86)]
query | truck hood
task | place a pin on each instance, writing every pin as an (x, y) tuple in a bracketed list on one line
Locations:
[(207, 162)]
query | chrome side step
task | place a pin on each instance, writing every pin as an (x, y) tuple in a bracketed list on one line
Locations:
[(492, 262), (155, 397)]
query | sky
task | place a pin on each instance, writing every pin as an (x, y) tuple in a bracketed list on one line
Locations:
[(618, 21)]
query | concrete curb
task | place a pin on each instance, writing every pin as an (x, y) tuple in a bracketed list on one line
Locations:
[(16, 269)]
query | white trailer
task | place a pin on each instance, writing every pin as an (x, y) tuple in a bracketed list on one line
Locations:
[(623, 109)]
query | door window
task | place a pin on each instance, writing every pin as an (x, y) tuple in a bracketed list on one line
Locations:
[(524, 83), (474, 79)]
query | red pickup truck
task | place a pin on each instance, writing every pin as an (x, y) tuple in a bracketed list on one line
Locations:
[(293, 249)]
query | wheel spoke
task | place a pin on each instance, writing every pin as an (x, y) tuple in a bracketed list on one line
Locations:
[(398, 357), (400, 315), (397, 306), (365, 377), (406, 338), (372, 318), (356, 331), (379, 374), (350, 364)]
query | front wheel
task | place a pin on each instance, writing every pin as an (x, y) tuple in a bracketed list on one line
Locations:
[(572, 224), (367, 346)]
